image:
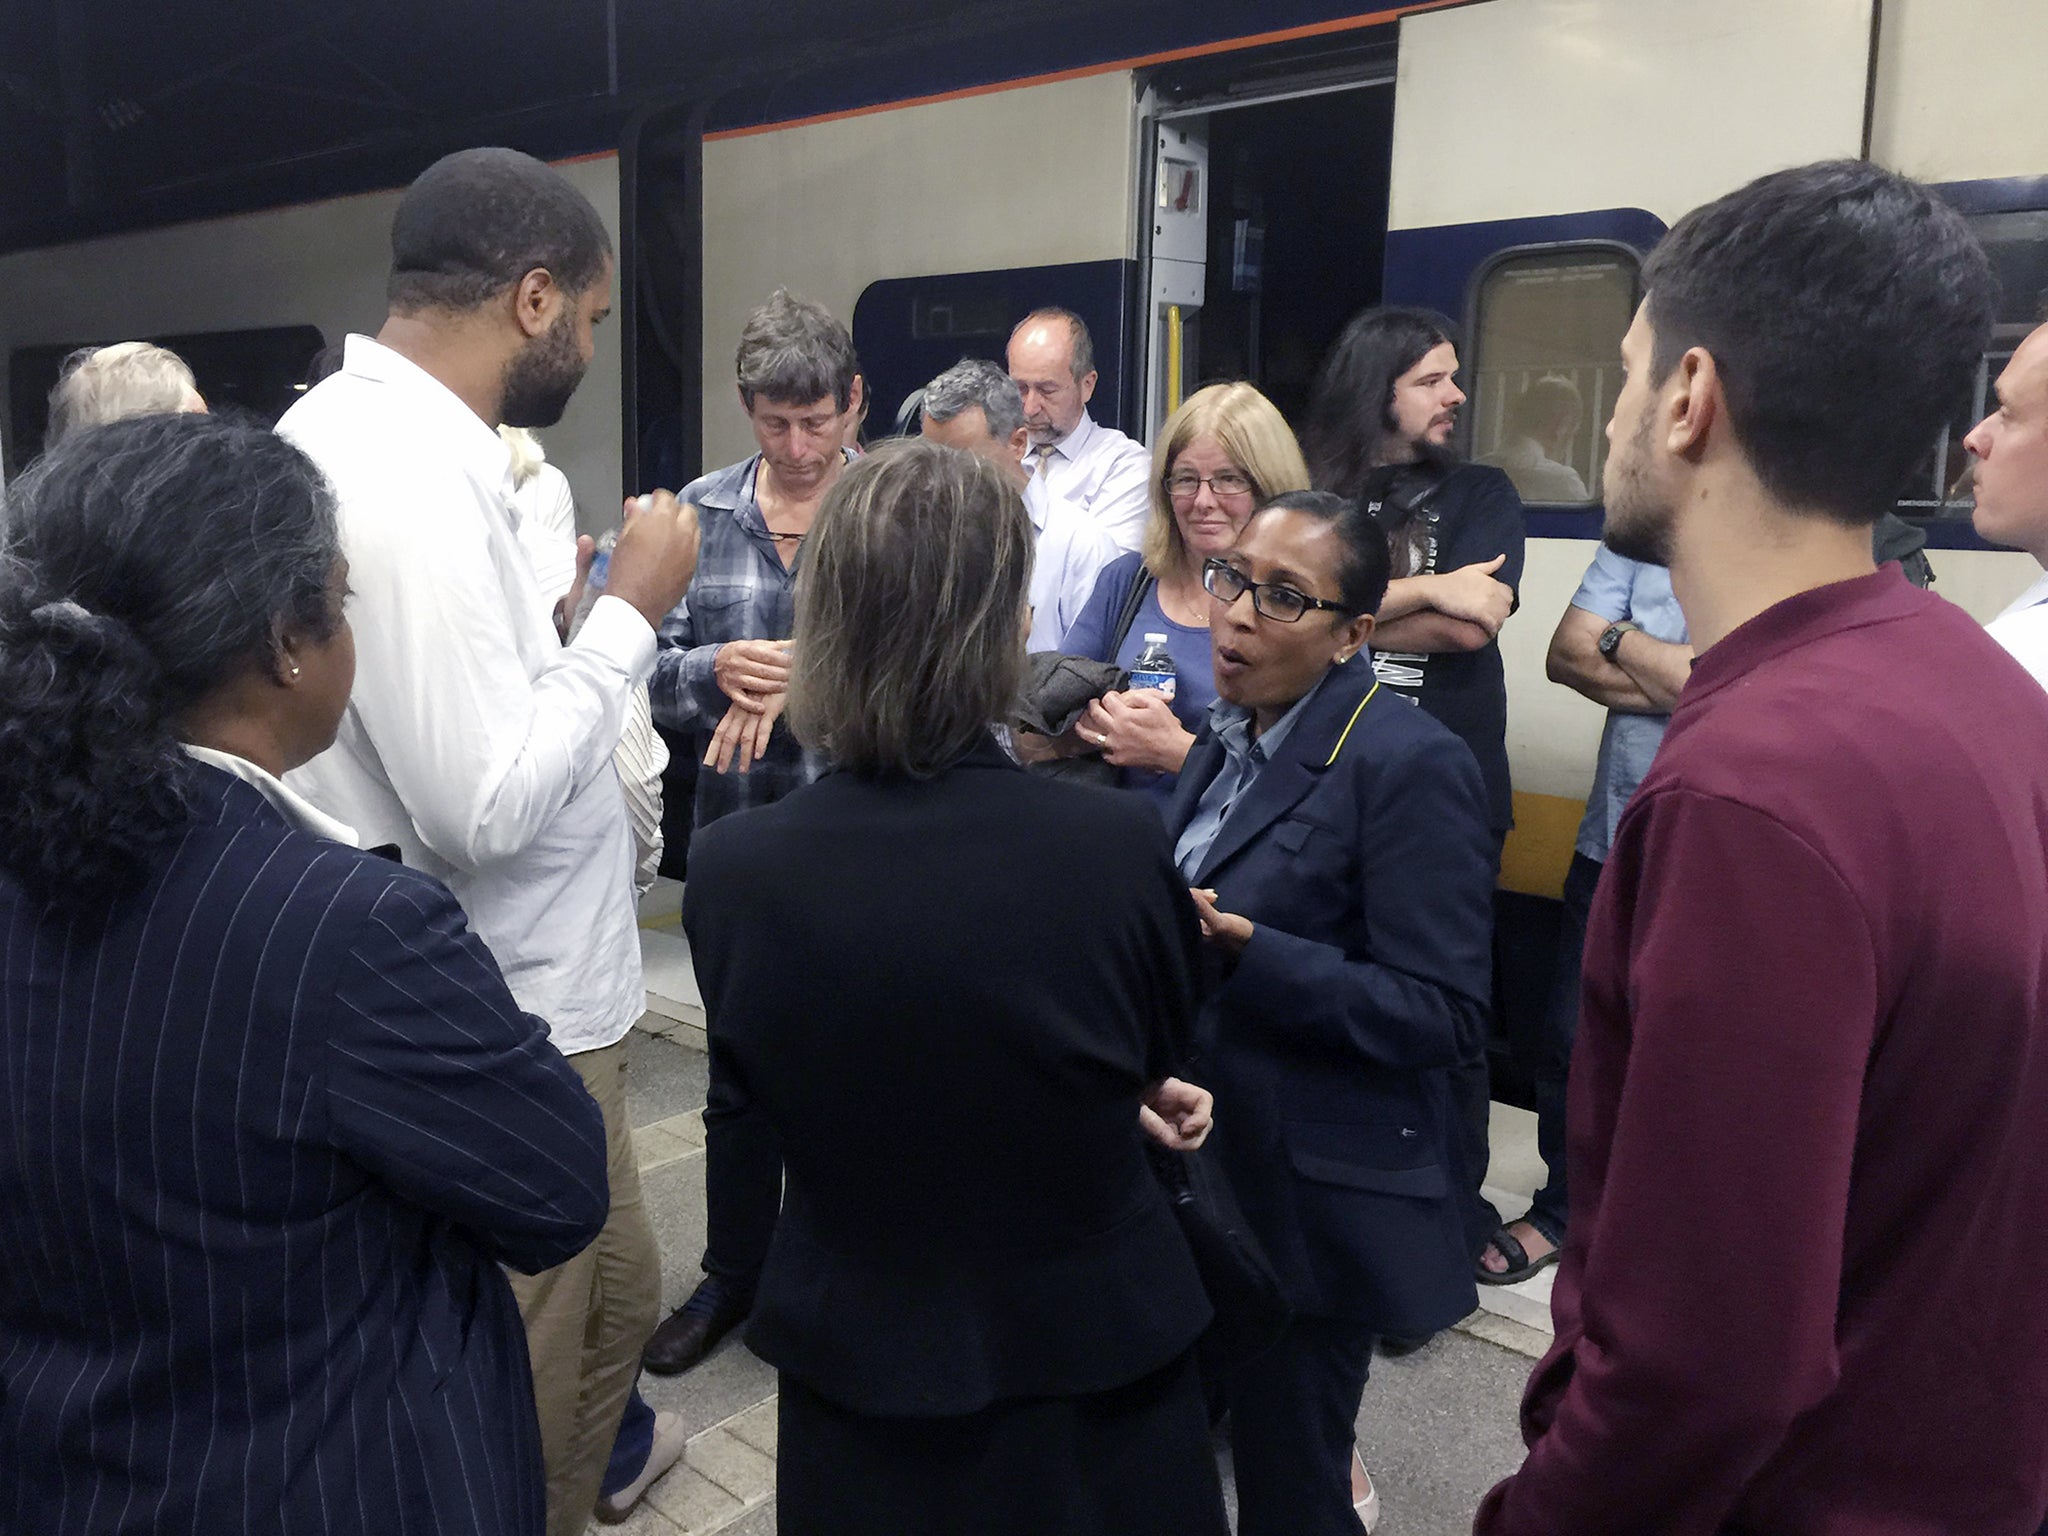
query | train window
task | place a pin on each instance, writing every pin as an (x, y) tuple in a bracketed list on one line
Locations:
[(2017, 244), (1545, 365)]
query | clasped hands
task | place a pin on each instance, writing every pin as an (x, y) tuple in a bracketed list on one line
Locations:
[(1177, 1115), (754, 675)]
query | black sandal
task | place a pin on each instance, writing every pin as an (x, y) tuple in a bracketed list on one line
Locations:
[(1520, 1265)]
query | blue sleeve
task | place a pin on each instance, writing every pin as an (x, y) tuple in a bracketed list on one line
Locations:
[(1609, 581), (451, 1097), (1416, 995), (1090, 633)]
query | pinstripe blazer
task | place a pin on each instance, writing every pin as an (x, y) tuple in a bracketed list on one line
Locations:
[(265, 1135)]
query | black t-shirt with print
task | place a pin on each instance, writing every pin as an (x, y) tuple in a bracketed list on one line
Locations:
[(1467, 516)]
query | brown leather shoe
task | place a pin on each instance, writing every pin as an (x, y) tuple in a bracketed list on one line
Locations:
[(693, 1330)]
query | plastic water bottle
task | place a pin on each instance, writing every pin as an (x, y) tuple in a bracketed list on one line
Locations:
[(1154, 667), (594, 583)]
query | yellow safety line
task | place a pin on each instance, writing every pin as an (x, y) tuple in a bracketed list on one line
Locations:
[(1375, 688)]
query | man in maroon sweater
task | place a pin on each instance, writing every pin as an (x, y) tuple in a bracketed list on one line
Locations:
[(1804, 1294)]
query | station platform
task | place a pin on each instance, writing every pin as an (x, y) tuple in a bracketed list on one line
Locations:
[(1437, 1427)]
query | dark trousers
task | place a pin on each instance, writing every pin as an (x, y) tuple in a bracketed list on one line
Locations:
[(742, 1185), (1551, 1067), (1293, 1413), (1471, 1084)]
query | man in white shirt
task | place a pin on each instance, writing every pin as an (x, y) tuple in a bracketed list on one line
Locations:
[(974, 406), (2011, 448), (1101, 471), (475, 741), (1542, 421)]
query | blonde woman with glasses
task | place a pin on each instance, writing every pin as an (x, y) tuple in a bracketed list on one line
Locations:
[(1225, 452)]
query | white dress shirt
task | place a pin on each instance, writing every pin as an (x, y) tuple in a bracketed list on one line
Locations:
[(545, 510), (474, 739), (544, 515), (2023, 629), (1105, 474), (1069, 552)]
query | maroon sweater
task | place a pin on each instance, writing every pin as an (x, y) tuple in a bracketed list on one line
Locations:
[(1806, 1292)]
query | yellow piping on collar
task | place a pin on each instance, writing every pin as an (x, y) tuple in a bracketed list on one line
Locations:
[(1375, 688)]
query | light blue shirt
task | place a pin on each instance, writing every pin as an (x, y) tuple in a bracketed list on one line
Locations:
[(1617, 588), (1244, 755)]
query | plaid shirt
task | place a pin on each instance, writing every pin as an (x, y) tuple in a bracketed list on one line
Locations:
[(741, 592)]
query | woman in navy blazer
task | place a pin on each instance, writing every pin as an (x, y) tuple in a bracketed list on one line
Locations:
[(956, 992), (271, 1118), (1336, 839)]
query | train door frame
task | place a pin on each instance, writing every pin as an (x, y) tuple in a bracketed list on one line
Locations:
[(1161, 316)]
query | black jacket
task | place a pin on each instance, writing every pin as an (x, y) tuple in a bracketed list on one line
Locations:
[(947, 997), (271, 1128), (1362, 857)]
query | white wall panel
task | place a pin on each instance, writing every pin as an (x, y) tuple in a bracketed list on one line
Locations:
[(1960, 89), (1029, 177), (320, 264), (1518, 108)]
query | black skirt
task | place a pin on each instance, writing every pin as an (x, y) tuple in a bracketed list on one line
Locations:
[(1135, 1461)]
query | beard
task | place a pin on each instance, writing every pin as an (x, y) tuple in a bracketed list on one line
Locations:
[(1638, 525), (542, 376)]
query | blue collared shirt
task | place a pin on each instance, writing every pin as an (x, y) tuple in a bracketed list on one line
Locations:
[(742, 591), (1618, 588), (1244, 755)]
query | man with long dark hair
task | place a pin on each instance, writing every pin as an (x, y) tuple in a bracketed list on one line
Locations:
[(1380, 429), (1809, 1104)]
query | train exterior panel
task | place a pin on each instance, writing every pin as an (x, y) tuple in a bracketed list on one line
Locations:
[(320, 264), (1514, 122)]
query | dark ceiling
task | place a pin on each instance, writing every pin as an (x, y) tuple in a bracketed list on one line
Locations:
[(125, 113)]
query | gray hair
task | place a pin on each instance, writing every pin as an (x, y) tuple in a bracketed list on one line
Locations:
[(102, 384), (975, 382), (793, 351), (909, 639), (1077, 328), (144, 565)]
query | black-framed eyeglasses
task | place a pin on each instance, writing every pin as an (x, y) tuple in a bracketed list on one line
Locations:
[(1271, 598), (1224, 484)]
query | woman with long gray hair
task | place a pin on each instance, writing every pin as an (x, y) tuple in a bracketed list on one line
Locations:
[(273, 1120), (956, 992)]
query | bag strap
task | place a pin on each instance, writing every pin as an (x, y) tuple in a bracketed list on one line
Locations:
[(1133, 601)]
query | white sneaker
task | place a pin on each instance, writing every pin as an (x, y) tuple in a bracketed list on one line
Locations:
[(669, 1444), (1368, 1508)]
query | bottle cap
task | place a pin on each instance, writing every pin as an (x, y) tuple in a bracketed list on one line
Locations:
[(1160, 639)]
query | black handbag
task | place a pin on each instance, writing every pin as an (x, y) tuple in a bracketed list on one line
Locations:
[(1244, 1291)]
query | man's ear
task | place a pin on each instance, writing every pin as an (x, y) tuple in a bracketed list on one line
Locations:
[(1088, 386), (537, 300), (1695, 404), (1020, 443)]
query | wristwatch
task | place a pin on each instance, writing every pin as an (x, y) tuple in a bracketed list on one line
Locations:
[(1610, 637)]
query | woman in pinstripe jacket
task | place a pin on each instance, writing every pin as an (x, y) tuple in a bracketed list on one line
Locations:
[(269, 1119)]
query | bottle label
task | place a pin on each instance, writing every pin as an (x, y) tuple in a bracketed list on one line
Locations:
[(1164, 682)]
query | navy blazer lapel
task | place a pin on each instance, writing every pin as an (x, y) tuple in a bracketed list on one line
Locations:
[(1301, 761), (1204, 761)]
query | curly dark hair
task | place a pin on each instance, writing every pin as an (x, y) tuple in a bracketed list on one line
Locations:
[(143, 565)]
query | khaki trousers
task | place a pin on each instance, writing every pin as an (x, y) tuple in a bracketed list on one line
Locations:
[(587, 1320)]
